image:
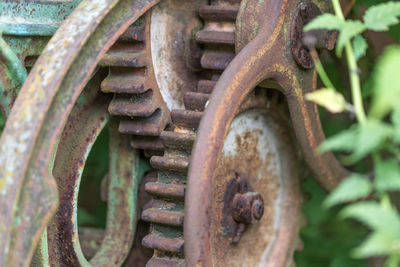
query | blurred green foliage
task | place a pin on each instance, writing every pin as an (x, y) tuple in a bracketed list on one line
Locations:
[(327, 240), (92, 211)]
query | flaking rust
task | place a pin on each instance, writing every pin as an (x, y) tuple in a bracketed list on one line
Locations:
[(189, 83), (39, 115)]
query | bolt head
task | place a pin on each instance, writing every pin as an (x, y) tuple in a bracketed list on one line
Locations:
[(247, 207), (257, 209)]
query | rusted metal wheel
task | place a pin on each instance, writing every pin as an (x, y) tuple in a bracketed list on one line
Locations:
[(234, 199), (33, 133), (264, 59), (254, 193), (256, 175)]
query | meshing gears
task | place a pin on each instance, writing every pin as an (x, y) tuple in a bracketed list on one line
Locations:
[(209, 91)]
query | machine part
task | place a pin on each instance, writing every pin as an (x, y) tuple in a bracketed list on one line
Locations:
[(165, 212), (137, 98), (248, 228), (26, 27), (34, 18), (85, 122), (28, 193), (175, 54), (265, 54), (256, 137), (12, 76), (268, 57), (324, 39), (151, 75)]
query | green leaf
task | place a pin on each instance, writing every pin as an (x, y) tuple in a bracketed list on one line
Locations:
[(343, 141), (396, 122), (379, 243), (354, 187), (396, 116), (375, 216), (386, 89), (380, 17), (359, 47), (387, 176), (328, 98), (349, 29), (325, 21), (370, 137)]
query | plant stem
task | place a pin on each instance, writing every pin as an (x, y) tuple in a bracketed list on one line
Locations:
[(353, 72), (320, 69)]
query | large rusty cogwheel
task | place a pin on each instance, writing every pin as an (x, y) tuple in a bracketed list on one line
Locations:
[(199, 87), (255, 189)]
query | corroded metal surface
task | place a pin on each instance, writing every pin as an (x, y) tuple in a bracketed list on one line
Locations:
[(175, 54), (39, 115), (165, 212), (306, 12), (40, 18), (257, 156), (12, 76), (83, 126), (265, 53), (137, 99), (242, 192)]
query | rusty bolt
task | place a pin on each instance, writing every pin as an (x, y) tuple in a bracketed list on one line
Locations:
[(247, 207), (320, 39)]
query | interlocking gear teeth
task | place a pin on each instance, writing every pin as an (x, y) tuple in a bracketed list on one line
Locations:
[(137, 98), (165, 212)]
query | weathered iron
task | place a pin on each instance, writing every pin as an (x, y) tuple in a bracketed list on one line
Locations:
[(264, 58), (165, 212), (39, 115), (12, 76), (26, 27), (306, 12), (176, 85)]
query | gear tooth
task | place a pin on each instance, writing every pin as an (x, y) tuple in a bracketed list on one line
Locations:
[(177, 163), (121, 85), (167, 217), (195, 101), (219, 13), (215, 37), (158, 242), (139, 105), (186, 118), (124, 59), (166, 190), (178, 141), (216, 60), (150, 126)]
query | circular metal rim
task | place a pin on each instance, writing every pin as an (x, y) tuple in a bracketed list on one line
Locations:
[(35, 123), (280, 252)]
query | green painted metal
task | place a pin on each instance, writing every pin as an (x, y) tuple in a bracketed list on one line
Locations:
[(39, 116), (26, 27), (37, 17), (12, 76)]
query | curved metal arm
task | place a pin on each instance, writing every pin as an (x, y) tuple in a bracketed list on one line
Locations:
[(307, 125), (242, 75), (28, 194), (13, 75), (266, 56)]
